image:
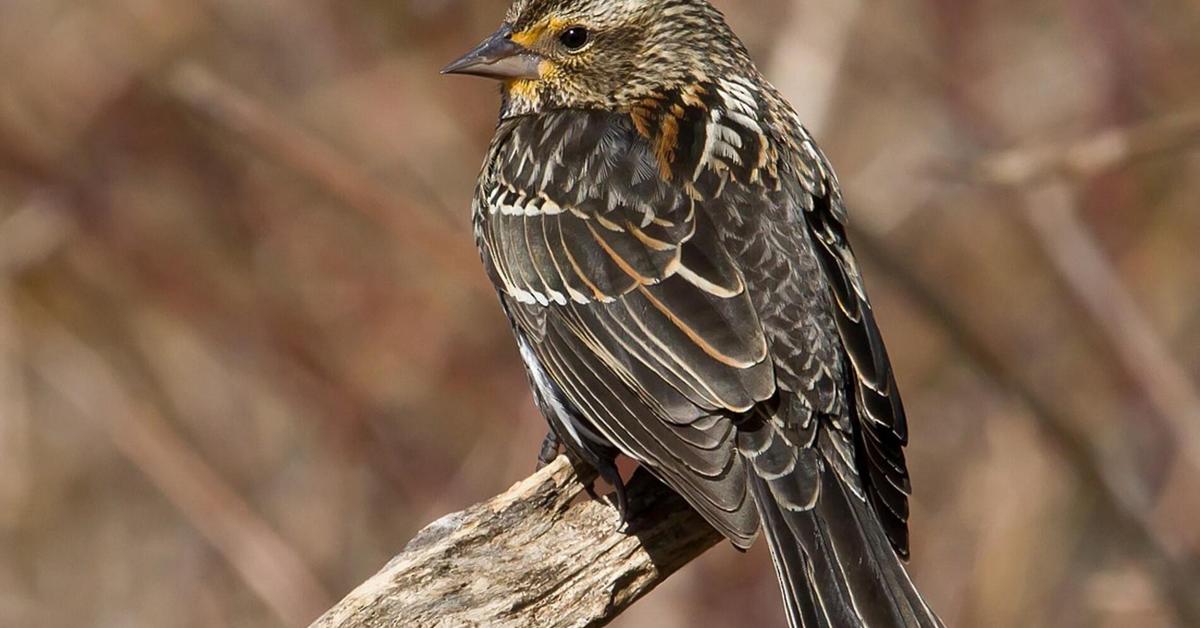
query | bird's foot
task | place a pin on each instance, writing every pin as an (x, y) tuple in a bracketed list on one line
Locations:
[(605, 465), (549, 450), (609, 473)]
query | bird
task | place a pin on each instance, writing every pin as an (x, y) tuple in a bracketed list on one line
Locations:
[(670, 246)]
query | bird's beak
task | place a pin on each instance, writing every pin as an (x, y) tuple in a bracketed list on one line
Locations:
[(498, 57)]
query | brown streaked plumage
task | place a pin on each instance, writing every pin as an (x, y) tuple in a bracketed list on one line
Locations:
[(669, 244)]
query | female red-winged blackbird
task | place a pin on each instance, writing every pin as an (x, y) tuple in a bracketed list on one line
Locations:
[(669, 244)]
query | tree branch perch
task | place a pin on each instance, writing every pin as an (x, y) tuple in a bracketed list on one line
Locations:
[(534, 556)]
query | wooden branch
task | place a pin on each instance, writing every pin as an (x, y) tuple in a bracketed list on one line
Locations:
[(537, 555)]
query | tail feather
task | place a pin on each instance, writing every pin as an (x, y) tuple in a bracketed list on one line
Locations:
[(836, 566), (793, 570)]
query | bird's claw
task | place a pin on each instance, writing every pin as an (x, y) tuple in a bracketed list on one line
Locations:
[(605, 468), (549, 450), (609, 473)]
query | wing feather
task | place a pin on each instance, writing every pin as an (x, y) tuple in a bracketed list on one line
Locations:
[(665, 330), (883, 428), (658, 356)]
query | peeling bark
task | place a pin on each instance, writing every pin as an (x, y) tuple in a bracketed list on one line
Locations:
[(536, 555)]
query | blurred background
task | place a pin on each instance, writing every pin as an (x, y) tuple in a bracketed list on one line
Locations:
[(247, 350)]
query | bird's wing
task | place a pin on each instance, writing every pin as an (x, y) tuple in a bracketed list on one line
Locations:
[(741, 147), (882, 427), (632, 303), (628, 299), (824, 339), (825, 459)]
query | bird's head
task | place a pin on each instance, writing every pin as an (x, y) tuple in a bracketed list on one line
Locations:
[(602, 54)]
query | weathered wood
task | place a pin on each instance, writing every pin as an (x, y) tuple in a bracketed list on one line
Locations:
[(537, 555)]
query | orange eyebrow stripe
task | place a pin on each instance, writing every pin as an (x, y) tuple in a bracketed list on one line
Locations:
[(531, 35)]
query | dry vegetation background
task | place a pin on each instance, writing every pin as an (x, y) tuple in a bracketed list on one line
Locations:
[(246, 349)]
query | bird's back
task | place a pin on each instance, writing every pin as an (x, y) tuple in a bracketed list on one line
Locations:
[(675, 265)]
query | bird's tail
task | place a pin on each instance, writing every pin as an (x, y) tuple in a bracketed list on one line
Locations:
[(834, 562)]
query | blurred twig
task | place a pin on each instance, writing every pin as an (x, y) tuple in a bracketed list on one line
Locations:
[(1049, 211), (264, 561), (1022, 170), (533, 556), (15, 419), (1127, 510), (807, 64), (31, 233), (34, 231), (235, 111), (1091, 156)]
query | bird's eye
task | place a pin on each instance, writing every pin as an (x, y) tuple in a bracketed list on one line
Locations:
[(574, 38)]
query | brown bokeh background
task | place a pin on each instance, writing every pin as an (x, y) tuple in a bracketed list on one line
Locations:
[(247, 351)]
